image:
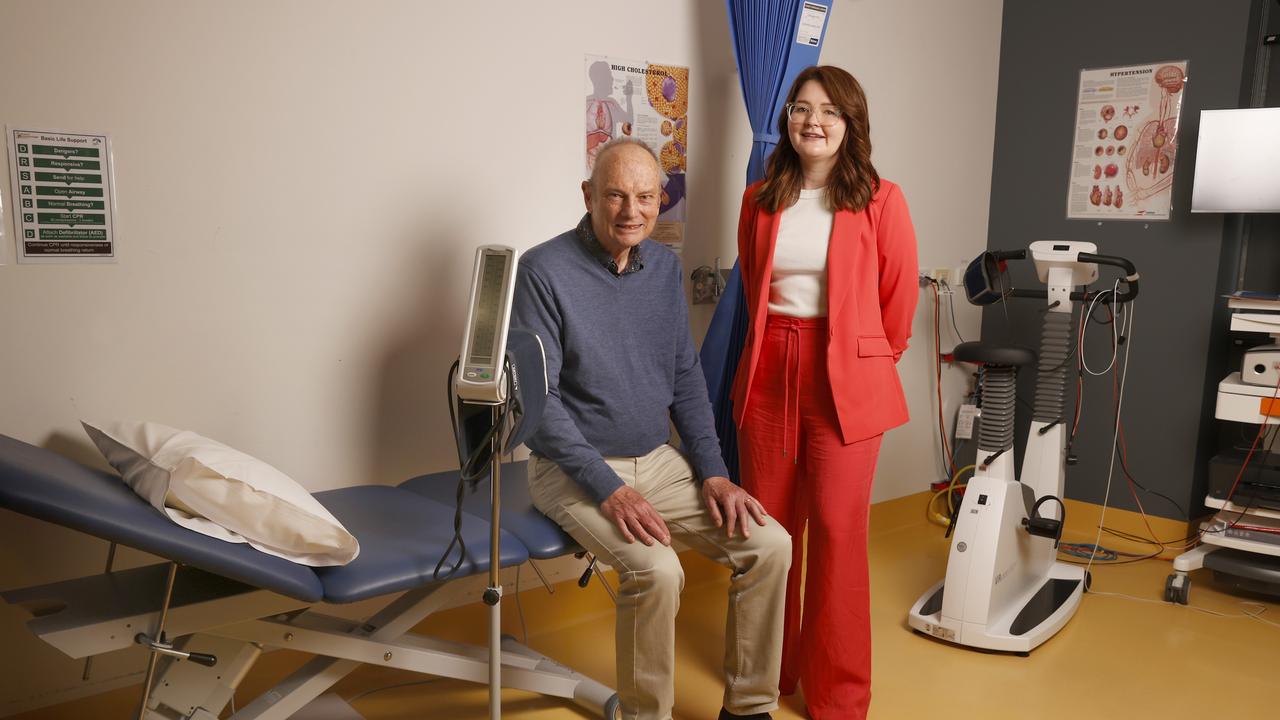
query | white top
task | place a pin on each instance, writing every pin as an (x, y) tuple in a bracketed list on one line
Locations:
[(798, 285)]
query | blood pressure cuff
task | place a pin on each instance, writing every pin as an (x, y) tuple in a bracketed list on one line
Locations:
[(525, 375), (985, 280), (527, 364)]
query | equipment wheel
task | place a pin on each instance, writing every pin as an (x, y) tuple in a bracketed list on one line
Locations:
[(1184, 592), (1177, 588)]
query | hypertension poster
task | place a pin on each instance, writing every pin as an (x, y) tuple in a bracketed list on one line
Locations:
[(649, 102), (1126, 141)]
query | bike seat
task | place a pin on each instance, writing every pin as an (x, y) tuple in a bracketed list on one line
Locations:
[(988, 353)]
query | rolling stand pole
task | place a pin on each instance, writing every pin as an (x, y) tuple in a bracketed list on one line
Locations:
[(493, 595)]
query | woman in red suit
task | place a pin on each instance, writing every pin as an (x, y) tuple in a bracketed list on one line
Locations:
[(828, 261)]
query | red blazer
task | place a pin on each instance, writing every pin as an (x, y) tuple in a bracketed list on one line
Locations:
[(872, 288)]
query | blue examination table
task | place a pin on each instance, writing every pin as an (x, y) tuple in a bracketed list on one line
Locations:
[(232, 602)]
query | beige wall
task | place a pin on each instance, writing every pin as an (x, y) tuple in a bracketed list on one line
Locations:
[(301, 186)]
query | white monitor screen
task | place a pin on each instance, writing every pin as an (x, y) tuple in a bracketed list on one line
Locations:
[(1238, 161)]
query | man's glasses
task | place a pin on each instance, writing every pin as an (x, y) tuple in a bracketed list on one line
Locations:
[(802, 113)]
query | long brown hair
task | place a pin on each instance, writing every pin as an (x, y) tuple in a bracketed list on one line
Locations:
[(853, 179)]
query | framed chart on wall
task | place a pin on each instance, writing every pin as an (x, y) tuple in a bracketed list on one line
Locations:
[(1126, 141), (649, 102), (63, 185)]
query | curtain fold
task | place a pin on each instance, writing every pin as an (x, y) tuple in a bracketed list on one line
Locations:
[(771, 46)]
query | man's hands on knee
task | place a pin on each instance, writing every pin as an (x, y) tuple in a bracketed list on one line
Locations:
[(635, 517), (730, 505)]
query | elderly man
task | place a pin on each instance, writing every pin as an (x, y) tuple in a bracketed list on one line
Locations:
[(609, 305)]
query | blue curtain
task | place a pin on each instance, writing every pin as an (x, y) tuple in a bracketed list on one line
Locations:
[(766, 43)]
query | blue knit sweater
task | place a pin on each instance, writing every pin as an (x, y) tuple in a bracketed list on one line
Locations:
[(621, 365)]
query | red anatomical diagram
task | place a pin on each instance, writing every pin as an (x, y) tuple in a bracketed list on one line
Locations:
[(1095, 196), (1170, 78), (599, 127), (1147, 168)]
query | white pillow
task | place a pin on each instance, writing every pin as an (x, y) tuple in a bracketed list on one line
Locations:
[(212, 489)]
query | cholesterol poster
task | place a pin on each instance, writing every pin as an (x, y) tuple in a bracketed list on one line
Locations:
[(649, 102), (1126, 141), (64, 208)]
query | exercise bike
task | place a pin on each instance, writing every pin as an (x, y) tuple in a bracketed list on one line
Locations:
[(1004, 589)]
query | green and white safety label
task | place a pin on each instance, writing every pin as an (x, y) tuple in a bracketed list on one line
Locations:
[(64, 202)]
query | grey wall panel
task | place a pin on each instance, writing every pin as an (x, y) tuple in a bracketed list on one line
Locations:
[(1179, 347)]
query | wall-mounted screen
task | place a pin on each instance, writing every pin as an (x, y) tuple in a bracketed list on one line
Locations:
[(1238, 161)]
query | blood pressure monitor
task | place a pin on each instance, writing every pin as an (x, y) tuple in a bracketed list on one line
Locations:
[(481, 377), (492, 410)]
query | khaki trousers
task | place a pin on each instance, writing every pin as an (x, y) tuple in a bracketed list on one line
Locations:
[(651, 580)]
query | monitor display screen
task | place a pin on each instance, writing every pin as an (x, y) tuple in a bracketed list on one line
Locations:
[(1238, 161), (487, 313)]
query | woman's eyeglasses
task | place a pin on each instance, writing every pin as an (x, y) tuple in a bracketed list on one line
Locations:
[(802, 113)]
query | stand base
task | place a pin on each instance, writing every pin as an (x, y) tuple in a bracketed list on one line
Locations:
[(1237, 570), (1032, 617)]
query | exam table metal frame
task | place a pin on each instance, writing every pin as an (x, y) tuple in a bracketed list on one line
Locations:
[(231, 601)]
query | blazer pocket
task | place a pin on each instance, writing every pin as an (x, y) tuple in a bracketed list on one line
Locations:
[(874, 346)]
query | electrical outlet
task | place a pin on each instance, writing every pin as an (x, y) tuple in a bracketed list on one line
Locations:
[(707, 286), (934, 274), (942, 275)]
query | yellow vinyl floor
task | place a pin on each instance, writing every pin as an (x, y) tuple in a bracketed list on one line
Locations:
[(1126, 653)]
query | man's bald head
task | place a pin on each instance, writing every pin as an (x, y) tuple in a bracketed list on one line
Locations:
[(626, 146), (623, 196)]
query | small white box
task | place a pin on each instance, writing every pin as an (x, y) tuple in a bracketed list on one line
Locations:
[(1261, 366)]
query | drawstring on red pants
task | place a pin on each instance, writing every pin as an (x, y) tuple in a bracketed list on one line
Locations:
[(791, 419)]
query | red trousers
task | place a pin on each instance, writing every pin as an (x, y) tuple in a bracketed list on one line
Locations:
[(795, 462)]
